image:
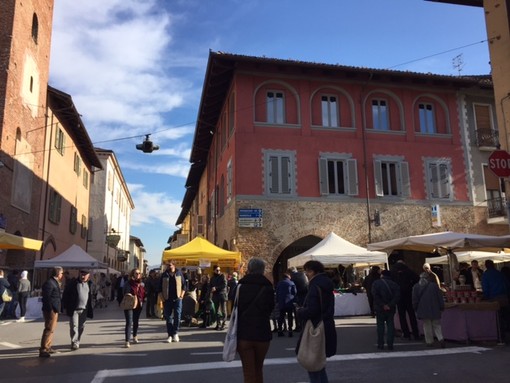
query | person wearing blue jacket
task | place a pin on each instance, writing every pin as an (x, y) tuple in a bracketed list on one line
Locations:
[(285, 297)]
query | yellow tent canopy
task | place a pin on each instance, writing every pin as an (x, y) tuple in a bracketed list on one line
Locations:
[(201, 252), (16, 242)]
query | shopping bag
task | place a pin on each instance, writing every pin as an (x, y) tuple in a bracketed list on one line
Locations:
[(230, 345), (7, 295), (312, 347)]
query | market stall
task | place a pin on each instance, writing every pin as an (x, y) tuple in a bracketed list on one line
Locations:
[(72, 258), (201, 253), (333, 251), (465, 317)]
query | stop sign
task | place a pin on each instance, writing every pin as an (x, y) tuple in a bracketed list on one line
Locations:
[(499, 163)]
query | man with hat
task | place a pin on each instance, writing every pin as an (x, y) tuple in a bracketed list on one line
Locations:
[(77, 301)]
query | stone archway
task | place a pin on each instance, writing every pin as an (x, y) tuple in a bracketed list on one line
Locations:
[(295, 248)]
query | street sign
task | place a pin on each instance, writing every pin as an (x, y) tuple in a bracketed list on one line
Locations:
[(499, 163), (250, 217)]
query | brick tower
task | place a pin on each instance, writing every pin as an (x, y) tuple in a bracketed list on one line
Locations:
[(25, 40)]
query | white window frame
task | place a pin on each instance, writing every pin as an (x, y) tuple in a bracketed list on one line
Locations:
[(382, 122), (383, 177), (330, 111), (275, 104), (279, 174), (350, 174), (439, 187), (427, 118)]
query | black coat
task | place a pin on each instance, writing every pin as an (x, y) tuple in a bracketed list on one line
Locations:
[(51, 298), (70, 298), (312, 310), (253, 315)]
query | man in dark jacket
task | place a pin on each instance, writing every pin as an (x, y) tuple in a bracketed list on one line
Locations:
[(219, 296), (406, 279), (51, 305), (77, 302), (386, 296), (285, 297), (301, 281), (151, 291), (4, 285)]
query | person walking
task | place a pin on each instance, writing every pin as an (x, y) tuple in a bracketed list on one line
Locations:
[(374, 275), (151, 289), (4, 285), (495, 289), (318, 305), (24, 289), (51, 306), (133, 286), (386, 295), (255, 304), (173, 289), (403, 276), (13, 279), (301, 281), (231, 287), (285, 298), (77, 303), (219, 296), (428, 303)]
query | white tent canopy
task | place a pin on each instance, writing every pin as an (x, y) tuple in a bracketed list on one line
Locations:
[(468, 256), (74, 258), (334, 250)]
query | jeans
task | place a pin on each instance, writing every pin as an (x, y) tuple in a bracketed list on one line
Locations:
[(318, 376), (77, 325), (172, 310), (132, 319), (220, 303), (23, 298), (385, 319), (252, 355)]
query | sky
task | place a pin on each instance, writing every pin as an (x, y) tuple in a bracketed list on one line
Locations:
[(136, 67)]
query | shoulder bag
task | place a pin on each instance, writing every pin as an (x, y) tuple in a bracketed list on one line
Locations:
[(129, 302), (230, 345), (312, 347), (7, 295)]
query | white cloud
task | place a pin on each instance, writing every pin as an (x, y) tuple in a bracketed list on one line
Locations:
[(174, 168), (152, 208)]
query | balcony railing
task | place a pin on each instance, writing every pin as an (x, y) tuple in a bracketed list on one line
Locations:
[(487, 137), (496, 207)]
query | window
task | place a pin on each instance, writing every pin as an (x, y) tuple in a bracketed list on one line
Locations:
[(427, 118), (274, 102), (485, 133), (380, 115), (59, 140), (338, 176), (392, 178), (329, 107), (83, 226), (35, 28), (438, 177), (73, 220), (200, 224), (86, 179), (55, 207), (77, 164), (221, 196), (229, 180), (279, 173), (110, 181), (231, 113)]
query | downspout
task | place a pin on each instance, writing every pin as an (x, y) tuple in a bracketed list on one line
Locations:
[(47, 183)]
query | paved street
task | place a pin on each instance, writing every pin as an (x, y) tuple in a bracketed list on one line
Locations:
[(197, 358)]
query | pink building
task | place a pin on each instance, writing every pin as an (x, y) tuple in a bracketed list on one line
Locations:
[(286, 152)]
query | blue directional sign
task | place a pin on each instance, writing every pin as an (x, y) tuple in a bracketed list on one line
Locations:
[(250, 217)]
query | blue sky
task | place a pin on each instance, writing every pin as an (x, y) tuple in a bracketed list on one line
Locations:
[(136, 67)]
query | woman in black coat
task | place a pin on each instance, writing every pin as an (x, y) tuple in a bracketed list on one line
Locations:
[(255, 304), (319, 305)]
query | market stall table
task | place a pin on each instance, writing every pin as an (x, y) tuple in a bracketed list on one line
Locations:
[(350, 304), (467, 321), (34, 308)]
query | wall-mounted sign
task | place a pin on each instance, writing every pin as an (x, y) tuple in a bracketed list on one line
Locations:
[(435, 215), (250, 217)]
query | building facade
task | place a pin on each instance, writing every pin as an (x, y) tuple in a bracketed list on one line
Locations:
[(110, 214), (296, 150)]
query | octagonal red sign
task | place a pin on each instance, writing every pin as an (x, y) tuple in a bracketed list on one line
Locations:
[(499, 163)]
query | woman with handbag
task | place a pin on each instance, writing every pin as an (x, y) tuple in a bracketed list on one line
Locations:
[(318, 310), (255, 304), (134, 287)]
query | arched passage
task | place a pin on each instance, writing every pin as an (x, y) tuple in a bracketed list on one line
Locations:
[(295, 248)]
